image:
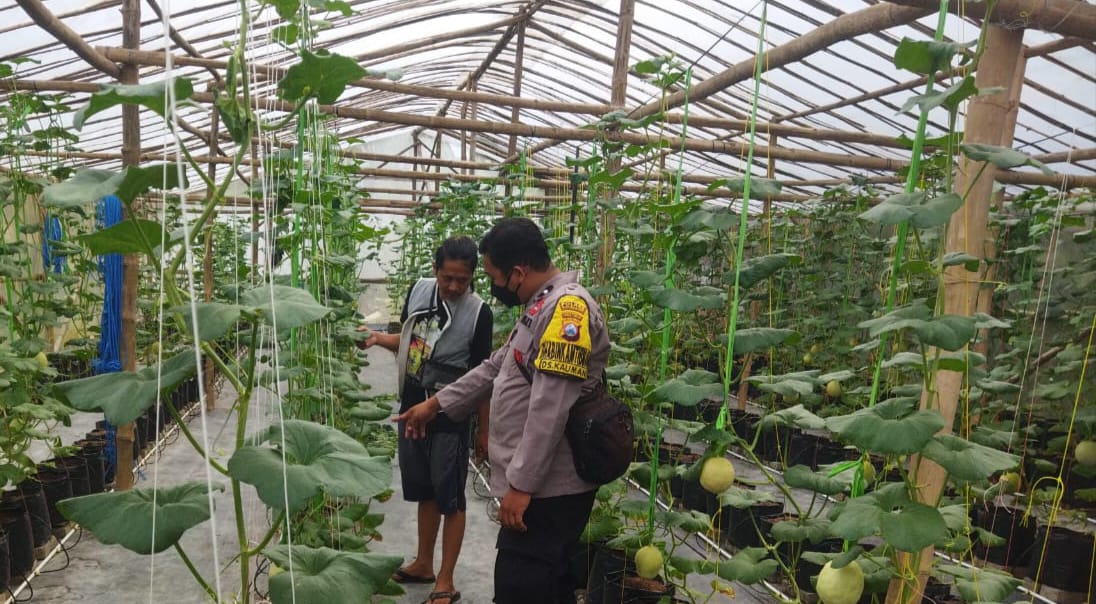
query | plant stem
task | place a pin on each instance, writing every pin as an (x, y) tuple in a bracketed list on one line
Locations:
[(194, 571)]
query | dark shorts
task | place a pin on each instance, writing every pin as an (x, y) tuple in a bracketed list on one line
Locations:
[(435, 468)]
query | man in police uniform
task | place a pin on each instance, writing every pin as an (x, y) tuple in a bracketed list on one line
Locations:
[(557, 349)]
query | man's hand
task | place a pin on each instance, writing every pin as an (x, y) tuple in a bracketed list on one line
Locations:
[(367, 342), (418, 416), (512, 510)]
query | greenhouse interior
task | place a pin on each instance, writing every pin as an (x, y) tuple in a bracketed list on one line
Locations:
[(831, 262)]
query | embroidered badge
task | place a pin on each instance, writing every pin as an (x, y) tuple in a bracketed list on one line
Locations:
[(565, 345)]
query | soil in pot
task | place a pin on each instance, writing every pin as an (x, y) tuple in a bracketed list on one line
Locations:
[(1004, 522), (20, 541), (1067, 560), (637, 590)]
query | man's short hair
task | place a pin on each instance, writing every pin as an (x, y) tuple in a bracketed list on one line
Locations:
[(460, 248), (515, 241)]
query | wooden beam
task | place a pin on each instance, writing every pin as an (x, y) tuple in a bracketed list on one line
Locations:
[(56, 27), (1070, 156), (1065, 17), (1053, 47), (621, 63), (155, 58), (871, 19)]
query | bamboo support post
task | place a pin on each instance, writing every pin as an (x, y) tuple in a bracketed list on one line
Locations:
[(966, 234), (208, 375), (131, 156)]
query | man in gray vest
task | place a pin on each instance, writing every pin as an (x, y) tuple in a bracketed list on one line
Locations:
[(557, 350), (446, 332)]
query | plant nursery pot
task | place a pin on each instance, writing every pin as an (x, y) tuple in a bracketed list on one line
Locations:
[(743, 527), (1067, 559), (743, 423), (696, 497), (936, 593), (827, 453), (29, 498), (20, 541), (581, 561), (806, 572), (77, 470), (91, 451), (801, 450), (608, 567), (677, 483), (56, 486), (1005, 522), (5, 562), (773, 444)]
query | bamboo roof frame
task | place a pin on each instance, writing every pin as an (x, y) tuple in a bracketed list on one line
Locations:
[(514, 92)]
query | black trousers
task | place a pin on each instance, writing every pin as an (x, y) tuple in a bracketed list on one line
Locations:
[(533, 567)]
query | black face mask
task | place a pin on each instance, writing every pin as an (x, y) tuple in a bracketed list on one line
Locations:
[(503, 294)]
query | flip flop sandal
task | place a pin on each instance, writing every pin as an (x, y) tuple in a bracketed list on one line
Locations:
[(452, 596), (402, 576)]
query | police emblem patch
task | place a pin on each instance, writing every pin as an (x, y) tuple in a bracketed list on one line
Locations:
[(565, 345)]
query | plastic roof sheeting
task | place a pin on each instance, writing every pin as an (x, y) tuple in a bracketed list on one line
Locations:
[(568, 56)]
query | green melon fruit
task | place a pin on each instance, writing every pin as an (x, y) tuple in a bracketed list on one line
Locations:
[(840, 585), (648, 562), (833, 389), (1085, 453), (1010, 482), (717, 475), (43, 362)]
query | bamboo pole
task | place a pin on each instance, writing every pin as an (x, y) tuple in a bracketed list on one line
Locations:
[(131, 156), (733, 126), (966, 234), (519, 73), (269, 72), (1065, 17), (207, 261), (52, 25), (618, 95)]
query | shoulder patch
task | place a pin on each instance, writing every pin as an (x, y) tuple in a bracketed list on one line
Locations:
[(565, 344)]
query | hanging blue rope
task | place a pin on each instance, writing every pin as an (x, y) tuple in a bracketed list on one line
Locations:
[(109, 213), (52, 233)]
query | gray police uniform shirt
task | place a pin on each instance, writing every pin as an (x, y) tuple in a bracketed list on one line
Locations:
[(557, 350)]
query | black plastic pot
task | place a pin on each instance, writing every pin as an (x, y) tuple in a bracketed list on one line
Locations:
[(606, 571), (696, 497), (741, 526), (77, 470), (91, 451), (30, 499), (1066, 560), (1004, 522), (56, 486), (5, 562), (677, 483), (20, 541), (801, 450)]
